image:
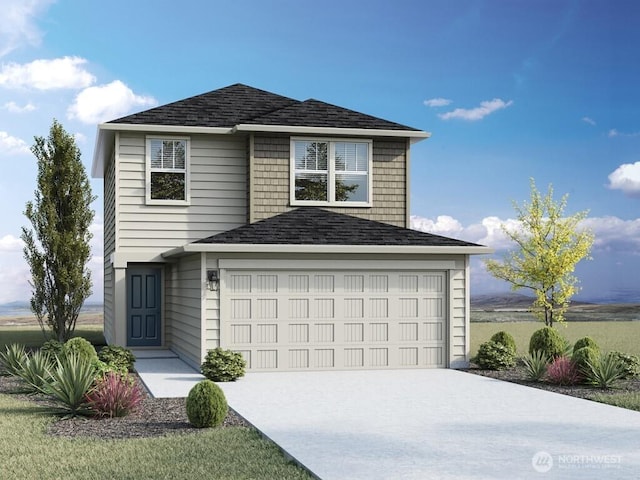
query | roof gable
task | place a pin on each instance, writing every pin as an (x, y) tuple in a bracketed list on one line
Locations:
[(315, 226)]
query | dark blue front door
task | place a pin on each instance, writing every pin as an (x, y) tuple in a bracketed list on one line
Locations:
[(143, 307)]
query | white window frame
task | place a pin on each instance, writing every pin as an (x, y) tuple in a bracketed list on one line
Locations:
[(331, 173), (149, 169)]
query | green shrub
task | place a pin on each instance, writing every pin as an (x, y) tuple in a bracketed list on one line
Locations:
[(119, 357), (583, 358), (223, 365), (494, 356), (52, 347), (586, 342), (80, 347), (505, 339), (606, 371), (630, 363), (34, 371), (101, 369), (206, 405), (548, 341), (12, 358), (536, 364), (71, 379)]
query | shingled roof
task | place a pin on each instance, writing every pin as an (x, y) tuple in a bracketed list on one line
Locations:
[(225, 107), (316, 226), (240, 104)]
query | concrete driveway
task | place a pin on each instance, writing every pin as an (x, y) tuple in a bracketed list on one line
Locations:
[(436, 424)]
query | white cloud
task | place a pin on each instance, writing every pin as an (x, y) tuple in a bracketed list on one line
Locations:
[(80, 137), (589, 120), (626, 178), (612, 234), (13, 107), (58, 73), (12, 145), (106, 102), (9, 243), (18, 23), (615, 133), (437, 102), (478, 113), (488, 232)]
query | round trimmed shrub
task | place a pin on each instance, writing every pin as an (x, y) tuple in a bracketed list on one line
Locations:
[(82, 348), (223, 365), (583, 358), (494, 356), (505, 339), (586, 342), (548, 341), (206, 405)]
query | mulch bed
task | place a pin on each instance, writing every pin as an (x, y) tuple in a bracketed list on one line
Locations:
[(156, 417), (518, 375), (167, 416)]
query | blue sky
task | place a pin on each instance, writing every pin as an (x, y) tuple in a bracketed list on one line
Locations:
[(509, 89)]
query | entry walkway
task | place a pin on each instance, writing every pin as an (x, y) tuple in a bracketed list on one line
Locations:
[(416, 424)]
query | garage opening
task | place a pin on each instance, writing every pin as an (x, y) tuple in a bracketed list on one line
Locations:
[(327, 319)]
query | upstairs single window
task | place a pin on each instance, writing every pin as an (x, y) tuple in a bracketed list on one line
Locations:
[(328, 172), (167, 170)]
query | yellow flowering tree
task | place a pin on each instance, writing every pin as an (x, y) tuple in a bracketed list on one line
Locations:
[(549, 245)]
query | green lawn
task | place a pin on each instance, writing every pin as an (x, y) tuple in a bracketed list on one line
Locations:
[(621, 336), (224, 453), (31, 336)]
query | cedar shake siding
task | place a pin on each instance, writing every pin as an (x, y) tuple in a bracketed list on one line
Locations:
[(270, 180)]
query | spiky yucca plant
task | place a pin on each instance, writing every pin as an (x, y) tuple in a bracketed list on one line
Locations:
[(536, 364), (12, 359), (71, 379), (34, 371)]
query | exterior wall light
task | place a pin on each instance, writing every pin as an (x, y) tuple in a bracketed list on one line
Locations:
[(212, 280)]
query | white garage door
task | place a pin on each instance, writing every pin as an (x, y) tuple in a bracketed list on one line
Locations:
[(293, 320)]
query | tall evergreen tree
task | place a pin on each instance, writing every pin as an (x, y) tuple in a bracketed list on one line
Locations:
[(57, 249)]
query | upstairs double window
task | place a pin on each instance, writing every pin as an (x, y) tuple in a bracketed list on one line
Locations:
[(330, 172), (167, 170)]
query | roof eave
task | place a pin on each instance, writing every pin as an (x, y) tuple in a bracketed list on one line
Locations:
[(106, 132), (415, 135), (326, 249)]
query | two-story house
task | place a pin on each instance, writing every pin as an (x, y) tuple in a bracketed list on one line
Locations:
[(277, 228)]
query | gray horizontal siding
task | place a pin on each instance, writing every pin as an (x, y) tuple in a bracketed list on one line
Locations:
[(217, 189), (183, 286)]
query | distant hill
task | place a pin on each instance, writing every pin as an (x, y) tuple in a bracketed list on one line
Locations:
[(506, 301)]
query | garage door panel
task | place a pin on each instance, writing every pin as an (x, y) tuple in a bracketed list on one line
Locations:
[(266, 359), (240, 308), (324, 333), (299, 332), (299, 358), (298, 308), (241, 333), (324, 320)]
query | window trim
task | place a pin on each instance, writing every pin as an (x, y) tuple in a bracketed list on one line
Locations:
[(148, 170), (331, 173)]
